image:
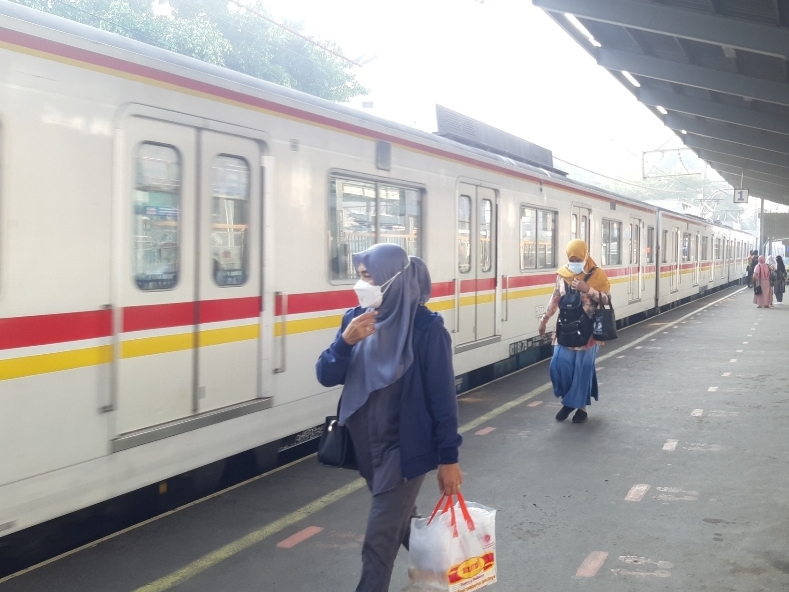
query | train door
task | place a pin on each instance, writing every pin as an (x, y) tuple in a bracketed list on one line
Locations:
[(156, 275), (229, 282), (675, 264), (188, 282), (634, 269), (476, 287), (581, 224)]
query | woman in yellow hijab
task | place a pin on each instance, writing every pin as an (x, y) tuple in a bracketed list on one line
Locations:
[(573, 367)]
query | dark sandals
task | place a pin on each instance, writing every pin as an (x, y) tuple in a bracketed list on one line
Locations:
[(564, 413)]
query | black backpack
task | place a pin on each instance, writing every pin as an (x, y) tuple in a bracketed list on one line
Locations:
[(574, 327)]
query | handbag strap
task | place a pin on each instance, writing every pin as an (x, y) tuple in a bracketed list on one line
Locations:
[(450, 507)]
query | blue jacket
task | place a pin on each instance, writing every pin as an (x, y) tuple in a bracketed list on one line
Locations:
[(428, 412)]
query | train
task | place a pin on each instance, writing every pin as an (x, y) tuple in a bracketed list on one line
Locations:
[(175, 247)]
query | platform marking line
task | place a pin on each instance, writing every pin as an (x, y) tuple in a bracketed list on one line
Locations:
[(591, 565), (599, 368), (200, 565), (484, 432), (299, 537), (534, 404), (670, 445), (697, 413), (726, 374), (637, 492), (739, 351), (712, 389), (215, 557), (732, 360), (639, 346)]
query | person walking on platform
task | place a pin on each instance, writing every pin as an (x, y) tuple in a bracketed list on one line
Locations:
[(763, 293), (780, 279), (749, 268), (572, 368), (394, 358)]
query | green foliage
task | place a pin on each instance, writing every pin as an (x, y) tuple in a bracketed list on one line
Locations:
[(216, 32)]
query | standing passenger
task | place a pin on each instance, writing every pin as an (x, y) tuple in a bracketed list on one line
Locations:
[(754, 263), (749, 268), (761, 278), (780, 279), (394, 357), (572, 368)]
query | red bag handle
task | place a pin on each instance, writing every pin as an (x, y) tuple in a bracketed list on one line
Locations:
[(450, 507)]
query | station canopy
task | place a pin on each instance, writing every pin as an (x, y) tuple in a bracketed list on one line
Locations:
[(714, 71)]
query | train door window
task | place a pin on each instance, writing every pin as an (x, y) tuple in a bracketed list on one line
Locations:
[(229, 219), (686, 256), (585, 229), (664, 247), (574, 226), (485, 237), (650, 244), (612, 242), (528, 242), (464, 234), (717, 252), (546, 238), (705, 252), (399, 215), (157, 218)]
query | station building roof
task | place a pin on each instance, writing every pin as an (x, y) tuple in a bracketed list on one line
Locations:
[(715, 71)]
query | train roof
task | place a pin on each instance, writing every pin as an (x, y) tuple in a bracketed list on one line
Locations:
[(99, 37)]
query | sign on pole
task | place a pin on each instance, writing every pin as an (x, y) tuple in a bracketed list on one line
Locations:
[(741, 196)]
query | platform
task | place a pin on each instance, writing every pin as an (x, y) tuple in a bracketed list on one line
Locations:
[(678, 481)]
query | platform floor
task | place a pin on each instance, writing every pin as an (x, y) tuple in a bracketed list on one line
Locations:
[(679, 481)]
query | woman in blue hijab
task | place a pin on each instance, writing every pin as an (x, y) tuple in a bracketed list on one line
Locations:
[(394, 358)]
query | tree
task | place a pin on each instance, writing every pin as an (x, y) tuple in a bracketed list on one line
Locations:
[(222, 33)]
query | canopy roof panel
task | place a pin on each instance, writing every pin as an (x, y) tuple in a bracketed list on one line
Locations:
[(718, 68)]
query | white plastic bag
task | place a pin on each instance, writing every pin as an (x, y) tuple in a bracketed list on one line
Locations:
[(448, 554)]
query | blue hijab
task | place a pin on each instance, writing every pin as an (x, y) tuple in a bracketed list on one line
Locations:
[(382, 358)]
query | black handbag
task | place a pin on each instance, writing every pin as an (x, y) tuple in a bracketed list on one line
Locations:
[(604, 323), (335, 448), (757, 289), (574, 326)]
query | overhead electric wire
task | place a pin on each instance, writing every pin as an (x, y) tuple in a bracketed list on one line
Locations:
[(295, 32), (626, 182), (244, 30)]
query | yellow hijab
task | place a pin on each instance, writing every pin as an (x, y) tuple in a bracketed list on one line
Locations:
[(598, 280)]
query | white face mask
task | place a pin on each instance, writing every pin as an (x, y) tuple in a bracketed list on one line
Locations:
[(576, 267), (372, 296)]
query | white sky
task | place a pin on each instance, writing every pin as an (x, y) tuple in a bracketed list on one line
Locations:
[(503, 62)]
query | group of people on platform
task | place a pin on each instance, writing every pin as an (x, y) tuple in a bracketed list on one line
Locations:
[(767, 276)]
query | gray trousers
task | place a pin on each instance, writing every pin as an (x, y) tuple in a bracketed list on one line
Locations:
[(388, 527)]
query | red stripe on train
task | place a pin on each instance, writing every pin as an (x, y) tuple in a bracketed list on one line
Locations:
[(54, 328)]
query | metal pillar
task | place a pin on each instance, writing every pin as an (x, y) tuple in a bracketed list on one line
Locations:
[(761, 230)]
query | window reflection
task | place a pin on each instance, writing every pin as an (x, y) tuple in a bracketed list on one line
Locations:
[(156, 219), (229, 219)]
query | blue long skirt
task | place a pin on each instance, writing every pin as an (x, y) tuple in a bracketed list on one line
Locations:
[(573, 375)]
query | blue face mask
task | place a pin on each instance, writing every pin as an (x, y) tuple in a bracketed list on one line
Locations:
[(576, 267)]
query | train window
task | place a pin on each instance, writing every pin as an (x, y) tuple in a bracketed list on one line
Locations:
[(528, 243), (704, 248), (717, 251), (464, 234), (686, 247), (546, 239), (157, 220), (664, 247), (612, 242), (485, 216), (363, 213), (650, 244), (574, 226), (538, 239), (399, 213), (229, 219)]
